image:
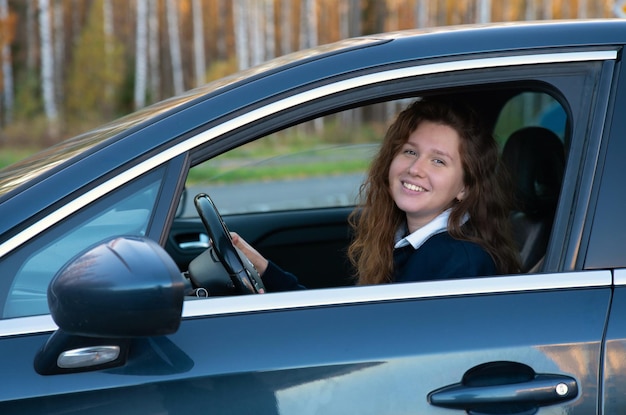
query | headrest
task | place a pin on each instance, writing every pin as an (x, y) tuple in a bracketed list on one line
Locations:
[(535, 158)]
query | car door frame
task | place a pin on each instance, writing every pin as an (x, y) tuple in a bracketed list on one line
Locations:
[(218, 312)]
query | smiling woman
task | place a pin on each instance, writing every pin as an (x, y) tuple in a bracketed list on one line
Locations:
[(433, 206)]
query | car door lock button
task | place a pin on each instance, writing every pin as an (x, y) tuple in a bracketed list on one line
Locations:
[(562, 389)]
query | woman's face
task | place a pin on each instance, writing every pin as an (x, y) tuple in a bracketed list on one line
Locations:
[(427, 174)]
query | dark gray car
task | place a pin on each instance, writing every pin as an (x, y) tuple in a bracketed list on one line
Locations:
[(98, 233)]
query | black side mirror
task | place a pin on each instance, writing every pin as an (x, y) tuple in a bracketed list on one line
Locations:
[(123, 288)]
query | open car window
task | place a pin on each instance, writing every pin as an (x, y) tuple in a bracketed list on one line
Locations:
[(316, 164)]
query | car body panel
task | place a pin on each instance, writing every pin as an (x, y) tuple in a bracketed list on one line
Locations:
[(378, 349), (273, 372)]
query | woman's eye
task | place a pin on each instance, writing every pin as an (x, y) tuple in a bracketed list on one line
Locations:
[(409, 152), (439, 161)]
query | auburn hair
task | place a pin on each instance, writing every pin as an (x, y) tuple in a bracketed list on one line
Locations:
[(377, 218)]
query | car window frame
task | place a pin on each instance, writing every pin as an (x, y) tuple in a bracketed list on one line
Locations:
[(393, 82), (18, 258), (557, 80)]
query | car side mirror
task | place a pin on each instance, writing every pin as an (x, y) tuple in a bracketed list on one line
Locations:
[(125, 287), (107, 299)]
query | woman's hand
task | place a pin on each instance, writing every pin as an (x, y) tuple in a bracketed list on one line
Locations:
[(258, 260)]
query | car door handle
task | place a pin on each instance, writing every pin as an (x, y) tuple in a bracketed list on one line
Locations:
[(504, 387), (201, 243)]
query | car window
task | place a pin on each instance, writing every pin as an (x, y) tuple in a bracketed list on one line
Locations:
[(531, 129), (531, 108), (317, 164), (124, 212)]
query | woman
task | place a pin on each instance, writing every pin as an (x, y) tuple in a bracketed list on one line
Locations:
[(433, 205)]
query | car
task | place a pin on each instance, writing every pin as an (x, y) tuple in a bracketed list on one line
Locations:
[(104, 237)]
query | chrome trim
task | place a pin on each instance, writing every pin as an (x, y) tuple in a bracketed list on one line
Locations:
[(395, 292), (619, 277), (27, 325), (351, 296), (88, 356), (291, 101)]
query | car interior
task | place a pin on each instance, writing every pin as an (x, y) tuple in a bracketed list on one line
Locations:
[(311, 239)]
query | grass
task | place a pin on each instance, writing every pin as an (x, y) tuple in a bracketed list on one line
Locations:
[(9, 156), (231, 174)]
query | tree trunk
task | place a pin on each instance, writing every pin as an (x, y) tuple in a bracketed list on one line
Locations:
[(484, 11), (154, 49), (547, 11), (47, 63), (240, 24), (198, 42), (175, 52), (222, 53), (141, 54), (422, 13), (530, 13), (582, 9), (270, 32), (7, 68), (285, 27), (31, 36), (354, 15), (308, 24), (255, 17), (59, 49)]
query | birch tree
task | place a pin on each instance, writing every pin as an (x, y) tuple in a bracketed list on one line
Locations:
[(47, 62), (222, 53), (285, 27), (354, 16), (582, 9), (270, 43), (240, 23), (141, 54), (175, 52), (257, 43), (153, 50), (422, 11), (308, 24), (7, 69), (198, 42), (484, 11), (31, 35), (59, 48)]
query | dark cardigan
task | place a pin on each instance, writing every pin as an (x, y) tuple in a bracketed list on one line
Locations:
[(440, 257)]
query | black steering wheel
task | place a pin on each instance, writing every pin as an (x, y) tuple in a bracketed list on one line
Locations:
[(243, 274)]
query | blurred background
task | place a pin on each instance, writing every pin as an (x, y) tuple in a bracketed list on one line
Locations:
[(67, 66)]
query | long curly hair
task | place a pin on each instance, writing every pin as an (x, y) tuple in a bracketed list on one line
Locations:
[(377, 219)]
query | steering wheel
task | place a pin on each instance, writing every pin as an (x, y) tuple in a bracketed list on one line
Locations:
[(243, 274)]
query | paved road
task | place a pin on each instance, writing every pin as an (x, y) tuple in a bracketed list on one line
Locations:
[(287, 194)]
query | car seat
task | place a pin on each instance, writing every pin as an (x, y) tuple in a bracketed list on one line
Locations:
[(535, 159)]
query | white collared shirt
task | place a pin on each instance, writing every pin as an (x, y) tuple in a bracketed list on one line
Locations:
[(417, 238)]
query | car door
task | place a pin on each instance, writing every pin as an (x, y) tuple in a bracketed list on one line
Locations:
[(490, 345), (512, 344)]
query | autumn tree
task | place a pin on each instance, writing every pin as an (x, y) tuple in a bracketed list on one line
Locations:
[(7, 33), (92, 68)]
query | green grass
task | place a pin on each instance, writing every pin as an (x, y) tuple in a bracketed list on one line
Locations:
[(207, 173), (9, 156)]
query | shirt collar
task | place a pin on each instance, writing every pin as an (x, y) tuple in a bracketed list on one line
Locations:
[(417, 238)]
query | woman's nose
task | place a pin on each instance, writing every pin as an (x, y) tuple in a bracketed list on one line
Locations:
[(416, 168)]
